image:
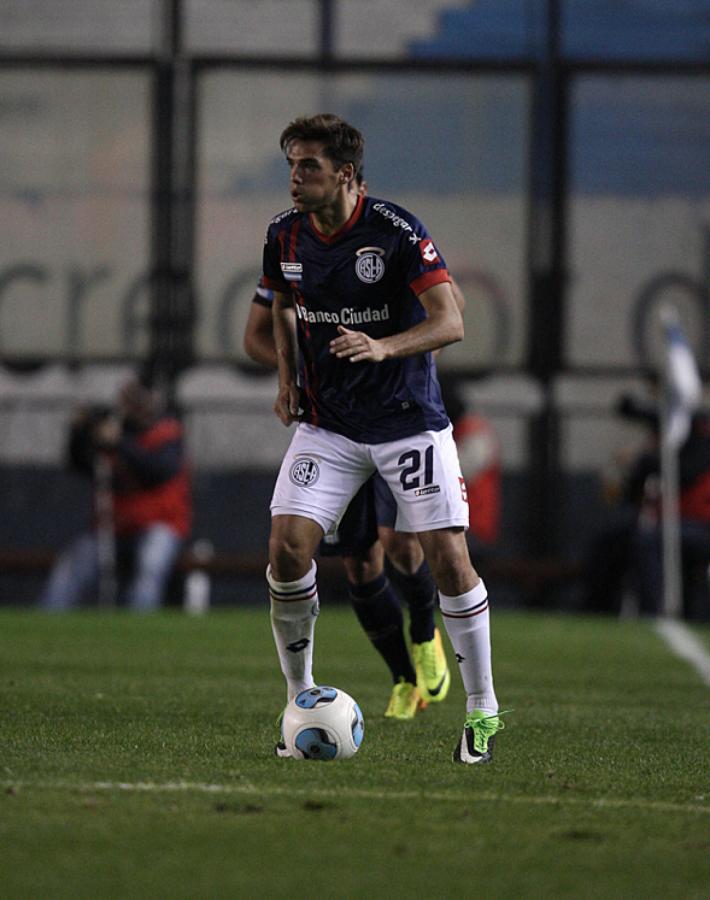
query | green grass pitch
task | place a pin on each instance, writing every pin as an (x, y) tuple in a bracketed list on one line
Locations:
[(136, 761)]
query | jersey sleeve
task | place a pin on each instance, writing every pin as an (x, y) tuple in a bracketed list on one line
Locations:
[(424, 264), (272, 278), (263, 295)]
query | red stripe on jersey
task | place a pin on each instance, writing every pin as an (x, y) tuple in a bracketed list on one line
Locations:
[(428, 279), (293, 234), (329, 238), (310, 389), (309, 373), (283, 287)]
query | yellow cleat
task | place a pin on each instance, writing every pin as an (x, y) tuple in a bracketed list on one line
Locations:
[(404, 702), (433, 676)]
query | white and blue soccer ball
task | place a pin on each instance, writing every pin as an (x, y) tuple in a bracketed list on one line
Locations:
[(322, 723)]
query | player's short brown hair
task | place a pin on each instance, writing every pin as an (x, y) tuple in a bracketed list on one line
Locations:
[(342, 143)]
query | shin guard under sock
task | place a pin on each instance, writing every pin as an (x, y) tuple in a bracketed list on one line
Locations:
[(294, 608), (380, 615), (467, 623)]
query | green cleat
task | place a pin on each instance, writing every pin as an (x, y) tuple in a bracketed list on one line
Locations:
[(433, 676), (404, 702), (476, 744)]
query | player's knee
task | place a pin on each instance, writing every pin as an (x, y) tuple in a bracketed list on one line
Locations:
[(289, 558), (361, 570), (366, 565), (450, 564), (292, 545), (454, 583), (404, 552)]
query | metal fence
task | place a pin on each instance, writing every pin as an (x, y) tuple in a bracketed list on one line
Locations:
[(558, 151)]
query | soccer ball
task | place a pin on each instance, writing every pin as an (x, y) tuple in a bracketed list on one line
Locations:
[(322, 723)]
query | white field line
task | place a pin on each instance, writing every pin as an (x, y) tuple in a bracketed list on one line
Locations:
[(457, 797), (685, 645)]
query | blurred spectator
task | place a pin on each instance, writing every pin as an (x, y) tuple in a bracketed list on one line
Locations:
[(142, 503), (479, 454), (628, 554)]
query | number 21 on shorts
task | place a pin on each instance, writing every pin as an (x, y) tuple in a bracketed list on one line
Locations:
[(409, 476)]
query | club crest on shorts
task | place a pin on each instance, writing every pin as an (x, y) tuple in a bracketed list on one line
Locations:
[(304, 472), (369, 266)]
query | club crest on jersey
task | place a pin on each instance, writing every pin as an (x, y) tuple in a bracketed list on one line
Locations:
[(292, 271), (369, 266), (304, 472), (428, 252)]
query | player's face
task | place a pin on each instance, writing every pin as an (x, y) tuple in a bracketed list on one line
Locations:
[(315, 183)]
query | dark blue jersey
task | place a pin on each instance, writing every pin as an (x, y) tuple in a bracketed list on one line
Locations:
[(367, 277)]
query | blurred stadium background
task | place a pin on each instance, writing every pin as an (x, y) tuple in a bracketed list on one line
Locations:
[(558, 150)]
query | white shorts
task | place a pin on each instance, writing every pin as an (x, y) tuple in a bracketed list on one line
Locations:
[(322, 471)]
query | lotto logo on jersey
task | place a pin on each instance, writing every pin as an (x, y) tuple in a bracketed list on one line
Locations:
[(428, 252), (292, 271)]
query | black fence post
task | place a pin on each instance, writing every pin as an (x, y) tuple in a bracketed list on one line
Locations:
[(173, 316), (547, 280)]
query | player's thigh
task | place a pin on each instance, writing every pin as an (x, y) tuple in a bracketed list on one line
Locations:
[(402, 547), (356, 532), (424, 475), (385, 504), (320, 474)]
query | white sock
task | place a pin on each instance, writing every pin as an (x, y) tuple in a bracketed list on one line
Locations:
[(467, 624), (294, 608)]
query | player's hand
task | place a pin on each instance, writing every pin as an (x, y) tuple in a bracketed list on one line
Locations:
[(356, 346), (287, 407)]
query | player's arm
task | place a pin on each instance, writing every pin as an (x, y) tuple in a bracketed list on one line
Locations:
[(286, 405), (460, 302), (443, 326), (259, 343), (458, 296)]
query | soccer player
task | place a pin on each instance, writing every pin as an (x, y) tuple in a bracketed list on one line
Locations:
[(372, 301), (363, 536)]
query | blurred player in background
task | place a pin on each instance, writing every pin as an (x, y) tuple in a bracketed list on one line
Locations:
[(142, 504), (367, 400), (376, 559)]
